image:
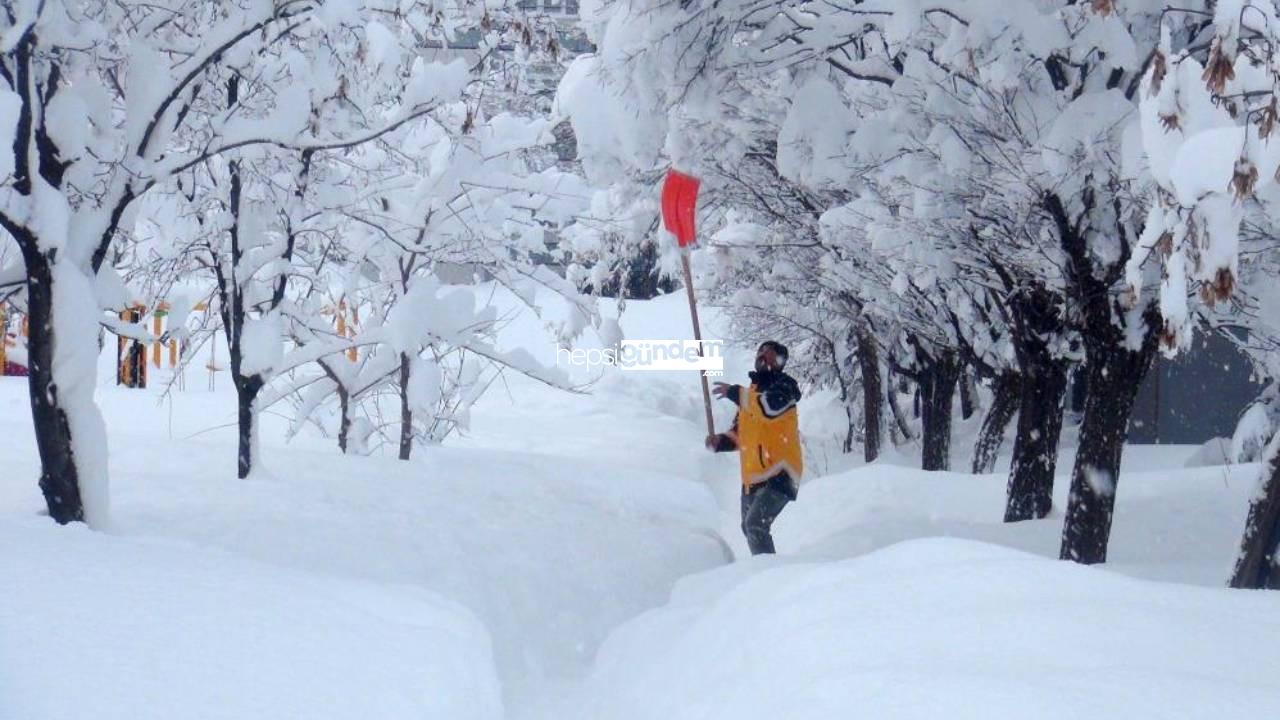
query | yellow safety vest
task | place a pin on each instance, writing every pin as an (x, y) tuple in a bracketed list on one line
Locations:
[(767, 445)]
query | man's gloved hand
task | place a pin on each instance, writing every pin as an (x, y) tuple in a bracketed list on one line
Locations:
[(721, 389), (711, 442)]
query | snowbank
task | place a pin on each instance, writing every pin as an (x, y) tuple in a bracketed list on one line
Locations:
[(1179, 525), (98, 626), (940, 628)]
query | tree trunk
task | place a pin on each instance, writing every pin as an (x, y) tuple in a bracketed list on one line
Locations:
[(344, 405), (1035, 447), (968, 403), (406, 413), (848, 399), (62, 307), (59, 477), (872, 395), (247, 389), (851, 424), (1115, 372), (1038, 318), (937, 388), (1004, 404), (901, 425), (1256, 566), (1079, 388), (344, 424), (231, 304)]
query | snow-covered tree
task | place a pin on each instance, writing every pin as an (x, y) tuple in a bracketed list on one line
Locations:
[(100, 106), (462, 199), (1209, 108), (1025, 112), (997, 145)]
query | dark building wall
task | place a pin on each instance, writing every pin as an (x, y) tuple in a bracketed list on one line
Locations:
[(1195, 396)]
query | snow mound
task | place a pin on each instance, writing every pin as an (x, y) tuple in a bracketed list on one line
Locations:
[(1212, 453), (940, 628), (1171, 524), (132, 629)]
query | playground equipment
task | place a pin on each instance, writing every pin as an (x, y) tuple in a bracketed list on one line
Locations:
[(12, 363), (344, 328), (134, 356), (131, 354)]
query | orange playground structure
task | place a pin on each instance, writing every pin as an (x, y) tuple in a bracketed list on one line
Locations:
[(13, 355), (160, 350)]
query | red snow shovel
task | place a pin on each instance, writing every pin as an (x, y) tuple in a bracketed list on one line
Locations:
[(679, 200)]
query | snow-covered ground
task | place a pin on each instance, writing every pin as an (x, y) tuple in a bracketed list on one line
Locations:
[(119, 628), (572, 557), (939, 628)]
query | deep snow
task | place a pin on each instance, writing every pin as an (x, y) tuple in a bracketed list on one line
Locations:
[(122, 628), (548, 553), (939, 628), (526, 570)]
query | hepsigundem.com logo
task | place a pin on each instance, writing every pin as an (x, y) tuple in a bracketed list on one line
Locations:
[(704, 355)]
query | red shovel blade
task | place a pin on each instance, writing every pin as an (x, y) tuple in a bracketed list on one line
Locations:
[(679, 201)]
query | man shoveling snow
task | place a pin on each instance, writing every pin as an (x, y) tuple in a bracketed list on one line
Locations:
[(766, 434)]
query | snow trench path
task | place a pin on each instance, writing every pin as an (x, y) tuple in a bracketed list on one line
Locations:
[(870, 554), (681, 497)]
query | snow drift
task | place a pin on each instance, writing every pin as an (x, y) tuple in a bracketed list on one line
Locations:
[(146, 628), (939, 628)]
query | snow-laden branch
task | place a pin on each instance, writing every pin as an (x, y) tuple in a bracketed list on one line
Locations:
[(214, 52), (181, 165)]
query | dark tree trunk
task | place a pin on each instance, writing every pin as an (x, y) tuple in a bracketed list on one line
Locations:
[(234, 315), (1037, 320), (344, 424), (406, 413), (968, 406), (235, 311), (59, 477), (1115, 373), (901, 424), (1079, 388), (937, 388), (1035, 447), (344, 404), (30, 141), (247, 389), (872, 395), (1257, 566), (1006, 393)]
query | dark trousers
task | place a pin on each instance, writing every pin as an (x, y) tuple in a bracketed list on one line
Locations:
[(759, 508)]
